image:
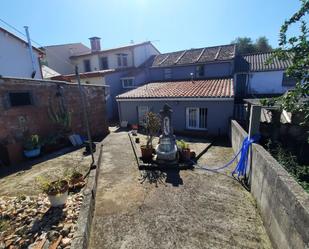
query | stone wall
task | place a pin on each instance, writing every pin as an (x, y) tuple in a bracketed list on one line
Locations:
[(283, 204), (15, 122)]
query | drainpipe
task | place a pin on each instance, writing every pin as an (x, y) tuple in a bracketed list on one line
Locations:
[(31, 52)]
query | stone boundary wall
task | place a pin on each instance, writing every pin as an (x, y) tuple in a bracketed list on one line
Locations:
[(282, 202), (16, 121)]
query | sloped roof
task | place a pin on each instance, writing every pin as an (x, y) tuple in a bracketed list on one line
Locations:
[(20, 39), (113, 49), (48, 72), (75, 48), (91, 74), (210, 88), (258, 62), (191, 56)]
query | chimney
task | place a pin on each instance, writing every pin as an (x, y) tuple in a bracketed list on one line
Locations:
[(95, 44)]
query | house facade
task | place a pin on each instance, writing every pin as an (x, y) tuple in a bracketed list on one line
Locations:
[(198, 105), (115, 68), (15, 57), (255, 76), (57, 57)]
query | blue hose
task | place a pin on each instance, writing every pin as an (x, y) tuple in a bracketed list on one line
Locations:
[(241, 167)]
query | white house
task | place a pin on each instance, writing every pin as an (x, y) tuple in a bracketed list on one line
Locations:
[(254, 76), (15, 58), (57, 57)]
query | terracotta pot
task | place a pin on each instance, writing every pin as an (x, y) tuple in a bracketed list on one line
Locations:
[(146, 152)]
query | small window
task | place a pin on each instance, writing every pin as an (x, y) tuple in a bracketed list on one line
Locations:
[(103, 63), (196, 118), (20, 99), (122, 60), (127, 82), (288, 81), (167, 73), (200, 71), (87, 66)]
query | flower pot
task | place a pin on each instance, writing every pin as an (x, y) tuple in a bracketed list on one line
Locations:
[(32, 153), (76, 179), (58, 197), (146, 152), (134, 132), (186, 155)]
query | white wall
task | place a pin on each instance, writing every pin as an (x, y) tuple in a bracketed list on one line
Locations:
[(15, 60), (266, 83), (142, 53)]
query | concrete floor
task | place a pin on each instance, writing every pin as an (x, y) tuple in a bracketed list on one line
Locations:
[(186, 209)]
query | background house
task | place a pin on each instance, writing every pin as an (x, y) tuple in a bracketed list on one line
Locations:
[(255, 77), (15, 59), (198, 105), (57, 57), (114, 68)]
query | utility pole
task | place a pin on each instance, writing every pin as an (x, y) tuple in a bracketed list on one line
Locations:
[(85, 117)]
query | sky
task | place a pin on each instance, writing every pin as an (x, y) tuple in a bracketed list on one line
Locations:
[(170, 24)]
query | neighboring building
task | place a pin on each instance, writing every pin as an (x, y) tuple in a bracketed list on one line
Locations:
[(255, 77), (198, 105), (15, 58), (201, 63), (115, 68), (58, 56), (132, 55)]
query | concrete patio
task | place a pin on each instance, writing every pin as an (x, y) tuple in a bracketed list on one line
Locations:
[(186, 209)]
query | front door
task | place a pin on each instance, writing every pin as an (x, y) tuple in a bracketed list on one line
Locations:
[(141, 112)]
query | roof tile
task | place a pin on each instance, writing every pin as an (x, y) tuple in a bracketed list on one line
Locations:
[(210, 88)]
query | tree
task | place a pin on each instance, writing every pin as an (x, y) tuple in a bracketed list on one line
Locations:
[(245, 45), (295, 48), (262, 45)]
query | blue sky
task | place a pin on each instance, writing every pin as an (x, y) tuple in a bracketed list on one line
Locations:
[(171, 24)]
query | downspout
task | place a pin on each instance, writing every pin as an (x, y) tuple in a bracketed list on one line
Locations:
[(31, 52)]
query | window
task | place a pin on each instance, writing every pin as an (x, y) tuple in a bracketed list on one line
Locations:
[(20, 99), (127, 82), (200, 71), (103, 63), (196, 118), (122, 60), (141, 112), (87, 66), (167, 73), (288, 81)]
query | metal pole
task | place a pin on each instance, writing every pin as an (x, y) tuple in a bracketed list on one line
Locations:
[(85, 114), (30, 51)]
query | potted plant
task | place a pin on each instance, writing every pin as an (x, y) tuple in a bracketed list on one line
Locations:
[(32, 146), (184, 150), (57, 191), (134, 129), (76, 180), (152, 123)]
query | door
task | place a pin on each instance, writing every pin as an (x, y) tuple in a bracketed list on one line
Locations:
[(141, 112)]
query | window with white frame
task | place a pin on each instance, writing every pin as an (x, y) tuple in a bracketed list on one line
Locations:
[(127, 82), (196, 118), (167, 73), (122, 60)]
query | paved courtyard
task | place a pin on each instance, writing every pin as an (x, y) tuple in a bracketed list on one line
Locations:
[(186, 209)]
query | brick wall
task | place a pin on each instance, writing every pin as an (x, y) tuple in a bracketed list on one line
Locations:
[(15, 122)]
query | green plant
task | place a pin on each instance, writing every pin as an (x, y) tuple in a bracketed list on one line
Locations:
[(182, 144), (152, 124), (295, 49), (31, 143), (52, 187), (59, 115)]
